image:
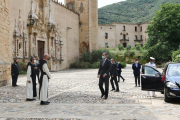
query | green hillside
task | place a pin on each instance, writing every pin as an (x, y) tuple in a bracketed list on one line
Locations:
[(131, 11)]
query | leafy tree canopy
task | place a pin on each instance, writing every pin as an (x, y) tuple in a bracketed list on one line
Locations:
[(163, 32)]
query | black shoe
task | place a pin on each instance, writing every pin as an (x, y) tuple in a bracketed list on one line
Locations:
[(29, 99), (44, 103), (102, 96), (16, 85), (105, 98), (116, 91), (13, 86), (48, 102), (118, 81), (139, 86), (123, 80), (136, 86), (112, 89)]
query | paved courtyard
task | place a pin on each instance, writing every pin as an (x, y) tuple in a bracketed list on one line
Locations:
[(74, 94)]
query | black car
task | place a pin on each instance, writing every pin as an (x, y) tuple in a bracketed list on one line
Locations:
[(168, 83)]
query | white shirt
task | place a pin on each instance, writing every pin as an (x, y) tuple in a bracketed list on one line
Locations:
[(152, 65)]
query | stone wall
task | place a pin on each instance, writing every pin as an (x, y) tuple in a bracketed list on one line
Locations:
[(4, 43)]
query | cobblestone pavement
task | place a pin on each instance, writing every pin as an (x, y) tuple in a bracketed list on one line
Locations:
[(74, 94)]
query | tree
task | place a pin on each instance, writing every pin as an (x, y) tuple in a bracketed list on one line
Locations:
[(163, 32), (120, 47)]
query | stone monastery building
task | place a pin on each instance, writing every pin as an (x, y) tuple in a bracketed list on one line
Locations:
[(34, 27)]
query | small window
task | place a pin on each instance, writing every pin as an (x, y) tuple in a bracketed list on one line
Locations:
[(124, 28), (81, 5), (19, 46), (106, 35), (141, 28), (141, 37), (136, 37), (124, 36), (125, 45), (101, 27), (136, 29), (110, 28)]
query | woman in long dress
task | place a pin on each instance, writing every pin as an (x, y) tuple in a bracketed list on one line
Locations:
[(31, 92)]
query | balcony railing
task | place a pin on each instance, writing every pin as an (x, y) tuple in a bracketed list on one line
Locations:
[(139, 40), (124, 39)]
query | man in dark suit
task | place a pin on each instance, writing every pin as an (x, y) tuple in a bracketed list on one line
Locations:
[(14, 72), (103, 75), (113, 74), (119, 67), (136, 69)]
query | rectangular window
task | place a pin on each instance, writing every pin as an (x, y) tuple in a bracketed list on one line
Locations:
[(136, 29), (136, 37), (141, 37), (124, 28), (106, 35), (106, 45), (124, 36)]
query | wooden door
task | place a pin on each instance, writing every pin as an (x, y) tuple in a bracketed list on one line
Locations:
[(40, 49)]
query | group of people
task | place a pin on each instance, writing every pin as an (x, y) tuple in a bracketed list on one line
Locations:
[(33, 70), (109, 69)]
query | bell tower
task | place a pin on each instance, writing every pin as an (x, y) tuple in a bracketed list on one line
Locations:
[(88, 23)]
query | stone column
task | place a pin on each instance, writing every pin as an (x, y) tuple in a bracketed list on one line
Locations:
[(30, 44)]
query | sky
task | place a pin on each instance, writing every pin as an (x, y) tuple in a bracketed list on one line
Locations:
[(102, 3)]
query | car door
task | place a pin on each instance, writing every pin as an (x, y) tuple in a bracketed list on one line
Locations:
[(151, 79)]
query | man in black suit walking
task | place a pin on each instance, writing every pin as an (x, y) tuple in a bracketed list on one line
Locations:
[(136, 68), (103, 75), (14, 72), (113, 74), (119, 66)]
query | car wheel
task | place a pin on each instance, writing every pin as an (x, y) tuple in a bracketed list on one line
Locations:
[(166, 98)]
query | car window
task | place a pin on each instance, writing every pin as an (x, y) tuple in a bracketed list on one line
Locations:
[(149, 71), (174, 70)]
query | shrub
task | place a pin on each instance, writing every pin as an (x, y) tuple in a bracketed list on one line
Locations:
[(80, 65), (138, 47), (86, 57), (22, 66), (96, 65), (22, 72), (123, 64), (128, 47), (120, 47), (107, 46), (96, 55), (132, 53)]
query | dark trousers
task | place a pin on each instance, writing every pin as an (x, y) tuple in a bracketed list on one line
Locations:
[(14, 79), (37, 74), (119, 76), (137, 78), (114, 79), (106, 81)]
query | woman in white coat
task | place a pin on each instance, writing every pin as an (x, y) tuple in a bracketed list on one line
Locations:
[(31, 81)]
